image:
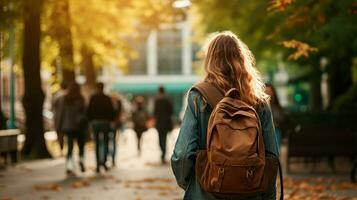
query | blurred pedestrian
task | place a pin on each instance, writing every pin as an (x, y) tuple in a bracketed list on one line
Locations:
[(163, 110), (116, 127), (140, 117), (277, 110), (101, 113), (73, 122), (56, 108)]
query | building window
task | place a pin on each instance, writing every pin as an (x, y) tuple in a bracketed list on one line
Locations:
[(169, 51), (137, 63)]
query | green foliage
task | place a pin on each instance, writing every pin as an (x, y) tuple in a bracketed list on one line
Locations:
[(346, 102), (10, 11), (304, 30)]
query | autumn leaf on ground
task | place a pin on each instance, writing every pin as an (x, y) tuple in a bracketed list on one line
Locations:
[(7, 198), (150, 180), (153, 164), (80, 184), (163, 194), (45, 197), (301, 49), (48, 187), (160, 187), (279, 5), (109, 177)]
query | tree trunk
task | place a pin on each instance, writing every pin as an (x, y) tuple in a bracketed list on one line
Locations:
[(35, 145), (62, 33), (340, 77), (88, 66), (315, 92)]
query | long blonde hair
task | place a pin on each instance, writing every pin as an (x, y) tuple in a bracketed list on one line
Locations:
[(230, 64)]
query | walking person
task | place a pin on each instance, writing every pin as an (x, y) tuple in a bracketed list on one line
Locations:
[(73, 122), (116, 128), (101, 113), (56, 108), (140, 117), (227, 148), (163, 111)]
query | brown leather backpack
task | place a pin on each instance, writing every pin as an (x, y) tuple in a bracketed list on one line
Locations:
[(235, 161)]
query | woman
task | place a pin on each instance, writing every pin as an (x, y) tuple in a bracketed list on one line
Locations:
[(74, 124), (228, 64)]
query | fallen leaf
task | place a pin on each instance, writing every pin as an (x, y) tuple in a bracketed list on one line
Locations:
[(7, 198), (109, 177), (153, 164), (160, 187), (163, 194), (150, 180), (48, 187), (80, 184)]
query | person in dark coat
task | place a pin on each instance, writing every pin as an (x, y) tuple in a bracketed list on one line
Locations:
[(73, 122), (101, 113), (116, 127), (163, 110), (56, 108)]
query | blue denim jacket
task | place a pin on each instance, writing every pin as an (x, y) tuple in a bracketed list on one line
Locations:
[(192, 137)]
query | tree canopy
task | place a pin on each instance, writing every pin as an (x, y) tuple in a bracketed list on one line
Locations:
[(303, 31)]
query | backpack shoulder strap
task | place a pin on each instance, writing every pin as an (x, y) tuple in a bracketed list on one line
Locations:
[(212, 94)]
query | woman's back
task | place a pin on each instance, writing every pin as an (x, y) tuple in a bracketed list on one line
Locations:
[(228, 64), (193, 137)]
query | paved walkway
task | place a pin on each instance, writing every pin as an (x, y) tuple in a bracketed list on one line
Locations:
[(143, 178), (135, 177)]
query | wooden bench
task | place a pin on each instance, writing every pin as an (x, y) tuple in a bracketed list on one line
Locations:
[(313, 136), (8, 145)]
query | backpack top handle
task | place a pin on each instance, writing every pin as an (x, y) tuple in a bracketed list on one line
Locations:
[(233, 93)]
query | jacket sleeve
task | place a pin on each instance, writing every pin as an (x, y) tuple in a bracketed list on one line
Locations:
[(269, 136), (270, 142), (184, 155)]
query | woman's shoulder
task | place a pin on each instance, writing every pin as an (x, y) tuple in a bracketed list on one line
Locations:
[(196, 100), (194, 96), (194, 93)]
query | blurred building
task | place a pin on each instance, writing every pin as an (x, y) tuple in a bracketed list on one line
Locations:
[(164, 58)]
